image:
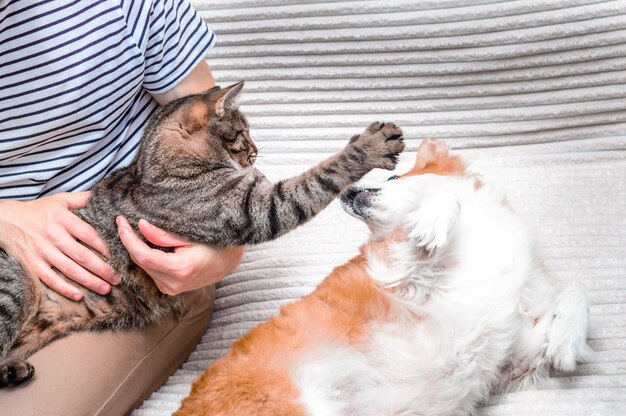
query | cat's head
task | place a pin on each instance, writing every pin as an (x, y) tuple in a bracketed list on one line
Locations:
[(192, 131)]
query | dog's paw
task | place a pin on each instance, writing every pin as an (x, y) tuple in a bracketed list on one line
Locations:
[(567, 336), (435, 219), (15, 371), (379, 145)]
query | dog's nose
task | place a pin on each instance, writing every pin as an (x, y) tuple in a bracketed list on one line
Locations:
[(363, 201), (350, 194)]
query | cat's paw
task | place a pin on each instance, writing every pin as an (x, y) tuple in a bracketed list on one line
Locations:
[(15, 371), (381, 144)]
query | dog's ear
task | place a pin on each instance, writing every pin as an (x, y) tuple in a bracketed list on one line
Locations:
[(434, 156), (428, 153), (435, 222)]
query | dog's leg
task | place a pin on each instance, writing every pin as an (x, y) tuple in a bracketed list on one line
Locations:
[(552, 332), (528, 362), (567, 336), (436, 218)]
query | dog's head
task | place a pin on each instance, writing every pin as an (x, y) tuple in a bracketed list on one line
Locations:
[(389, 207)]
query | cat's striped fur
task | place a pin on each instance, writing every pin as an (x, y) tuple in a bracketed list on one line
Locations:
[(193, 176)]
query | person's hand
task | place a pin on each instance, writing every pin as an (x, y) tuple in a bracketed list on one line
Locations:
[(44, 234), (190, 266)]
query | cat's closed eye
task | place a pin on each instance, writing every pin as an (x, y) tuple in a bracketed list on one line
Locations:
[(237, 136)]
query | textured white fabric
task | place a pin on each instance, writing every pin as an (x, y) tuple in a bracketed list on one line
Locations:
[(532, 91)]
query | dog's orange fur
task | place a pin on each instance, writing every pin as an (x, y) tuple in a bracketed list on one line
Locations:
[(434, 157), (254, 378)]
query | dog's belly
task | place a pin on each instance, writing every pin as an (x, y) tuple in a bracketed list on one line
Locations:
[(387, 375), (334, 380), (401, 369)]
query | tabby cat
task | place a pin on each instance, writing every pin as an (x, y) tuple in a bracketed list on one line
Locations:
[(193, 176)]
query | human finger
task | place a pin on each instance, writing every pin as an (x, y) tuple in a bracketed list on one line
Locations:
[(76, 272), (87, 259), (84, 232), (160, 237), (144, 256), (163, 286), (74, 200), (56, 282)]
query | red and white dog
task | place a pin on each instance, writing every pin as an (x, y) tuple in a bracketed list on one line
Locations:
[(446, 304)]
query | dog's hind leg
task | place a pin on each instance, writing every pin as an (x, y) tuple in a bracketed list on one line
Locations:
[(567, 336), (552, 332)]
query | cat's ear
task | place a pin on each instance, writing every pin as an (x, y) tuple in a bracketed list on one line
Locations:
[(225, 97)]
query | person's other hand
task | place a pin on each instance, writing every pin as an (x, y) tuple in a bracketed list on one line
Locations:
[(44, 234), (190, 266)]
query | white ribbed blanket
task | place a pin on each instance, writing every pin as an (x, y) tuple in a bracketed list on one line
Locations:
[(533, 91)]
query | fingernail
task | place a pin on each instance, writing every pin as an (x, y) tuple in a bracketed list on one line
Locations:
[(77, 296), (116, 279), (103, 289)]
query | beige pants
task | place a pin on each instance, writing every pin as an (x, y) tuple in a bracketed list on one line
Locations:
[(107, 373)]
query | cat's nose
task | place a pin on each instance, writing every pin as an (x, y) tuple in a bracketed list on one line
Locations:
[(252, 158)]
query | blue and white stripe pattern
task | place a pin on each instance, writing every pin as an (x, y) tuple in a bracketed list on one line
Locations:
[(75, 84)]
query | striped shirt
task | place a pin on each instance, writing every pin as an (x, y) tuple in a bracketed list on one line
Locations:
[(75, 84)]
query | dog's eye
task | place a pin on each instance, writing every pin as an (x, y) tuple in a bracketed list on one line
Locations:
[(393, 178)]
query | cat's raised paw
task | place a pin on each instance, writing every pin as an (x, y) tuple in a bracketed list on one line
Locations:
[(15, 371), (374, 127), (389, 130), (382, 143)]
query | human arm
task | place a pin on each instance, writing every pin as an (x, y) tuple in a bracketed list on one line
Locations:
[(198, 80)]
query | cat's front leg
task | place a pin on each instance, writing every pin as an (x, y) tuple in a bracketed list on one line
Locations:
[(272, 212)]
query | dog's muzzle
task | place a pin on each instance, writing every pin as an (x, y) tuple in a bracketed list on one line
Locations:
[(357, 200)]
